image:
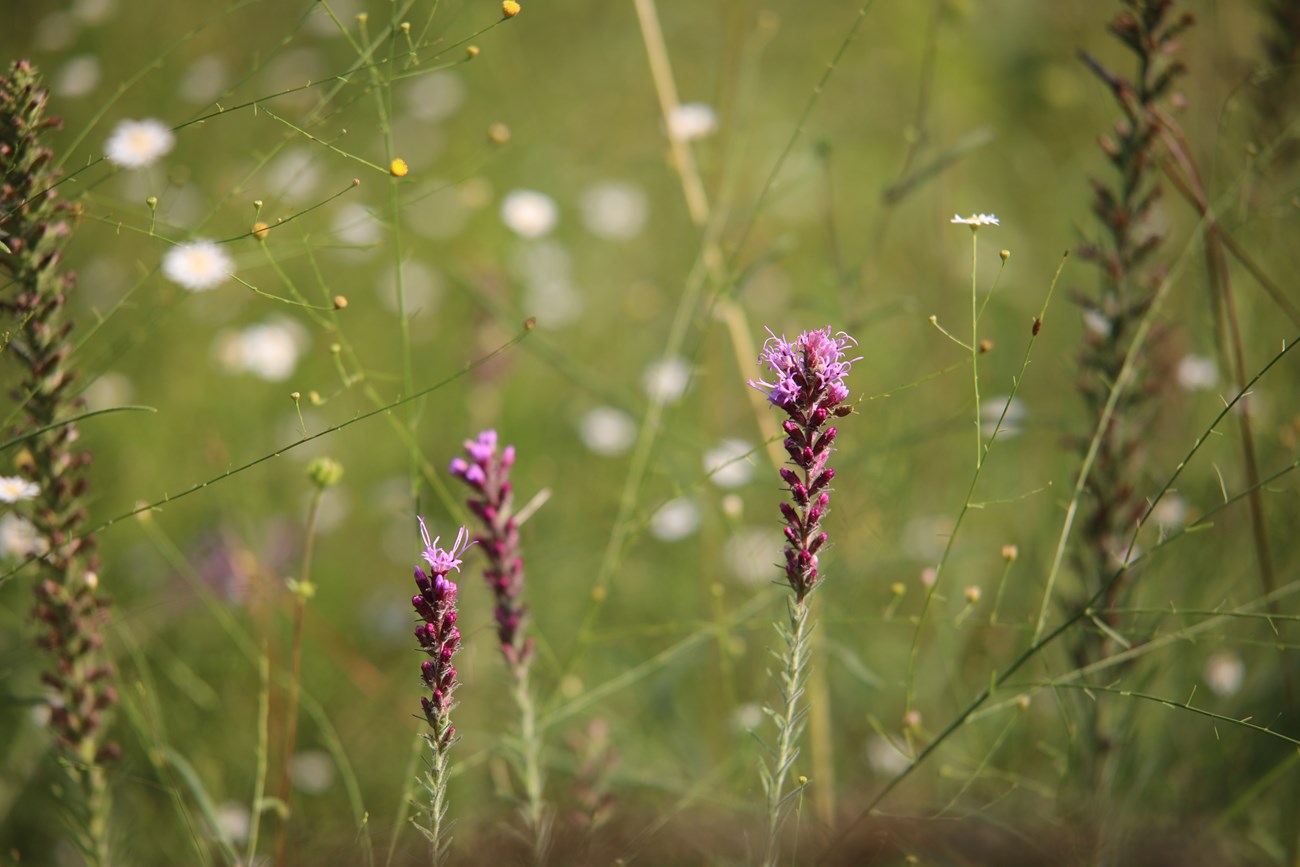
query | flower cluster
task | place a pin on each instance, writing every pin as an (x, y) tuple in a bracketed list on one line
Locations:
[(487, 472), (34, 225), (437, 634), (808, 384)]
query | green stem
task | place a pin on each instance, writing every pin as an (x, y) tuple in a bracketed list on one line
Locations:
[(789, 724), (531, 770), (975, 345)]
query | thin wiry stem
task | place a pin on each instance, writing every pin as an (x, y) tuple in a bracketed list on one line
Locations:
[(975, 343)]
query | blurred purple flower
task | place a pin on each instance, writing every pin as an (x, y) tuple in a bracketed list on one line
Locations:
[(487, 473)]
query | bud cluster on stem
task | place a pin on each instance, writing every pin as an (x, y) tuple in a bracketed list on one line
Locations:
[(808, 385)]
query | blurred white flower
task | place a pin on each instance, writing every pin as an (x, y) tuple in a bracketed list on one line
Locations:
[(78, 77), (747, 717), (436, 96), (675, 519), (233, 822), (15, 488), (614, 210), (607, 431), (108, 389), (138, 143), (204, 80), (546, 270), (312, 771), (730, 465), (975, 220), (356, 225), (1096, 322), (421, 289), (925, 536), (54, 32), (884, 757), (269, 349), (93, 11), (754, 555), (1224, 673), (1171, 512), (19, 538), (692, 120), (197, 265), (294, 175), (529, 214), (1197, 373), (666, 380), (991, 411)]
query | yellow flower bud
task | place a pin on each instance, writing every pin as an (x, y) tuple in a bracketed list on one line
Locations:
[(398, 168)]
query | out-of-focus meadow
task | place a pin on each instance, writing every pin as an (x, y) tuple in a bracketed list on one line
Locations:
[(831, 147)]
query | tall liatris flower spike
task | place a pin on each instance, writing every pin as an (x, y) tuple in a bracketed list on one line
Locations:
[(69, 612), (487, 473), (438, 637), (808, 385)]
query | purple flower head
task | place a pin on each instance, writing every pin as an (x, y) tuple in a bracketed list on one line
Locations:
[(807, 373), (487, 472), (808, 384), (437, 633), (441, 562)]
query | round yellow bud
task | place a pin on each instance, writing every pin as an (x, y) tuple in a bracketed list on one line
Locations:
[(498, 133), (510, 8), (398, 168), (1010, 552), (472, 51), (261, 230), (340, 302)]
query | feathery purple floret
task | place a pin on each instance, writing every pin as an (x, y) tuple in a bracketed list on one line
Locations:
[(808, 384), (437, 634), (487, 473)]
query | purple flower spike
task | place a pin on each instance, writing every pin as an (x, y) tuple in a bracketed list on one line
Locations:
[(437, 634), (487, 473), (807, 382)]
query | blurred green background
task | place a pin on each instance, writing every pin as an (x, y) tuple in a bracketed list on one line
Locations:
[(657, 623)]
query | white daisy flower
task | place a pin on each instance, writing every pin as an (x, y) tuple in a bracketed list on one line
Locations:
[(135, 144), (13, 489), (529, 214), (975, 220), (197, 265)]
